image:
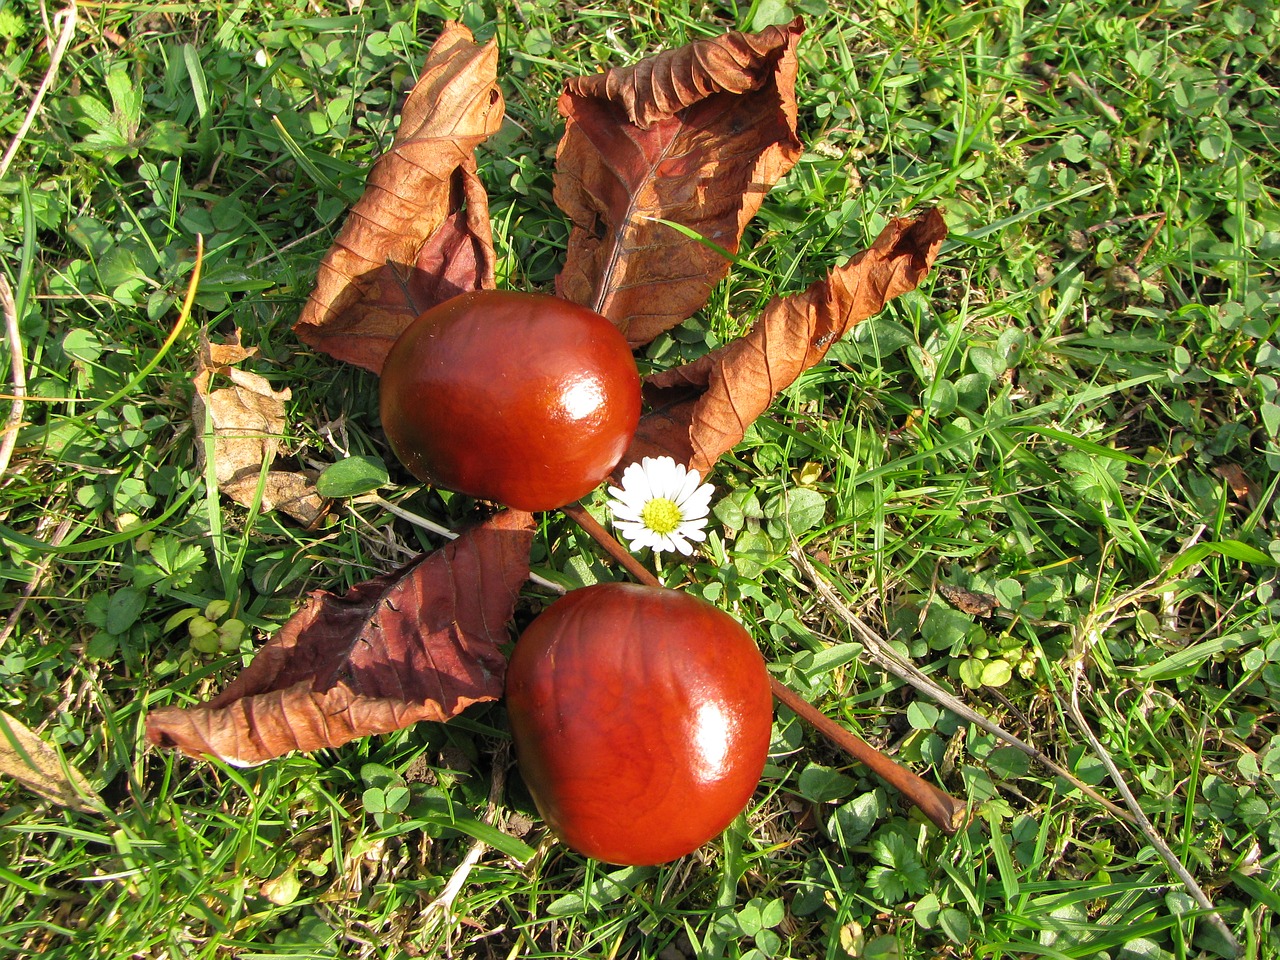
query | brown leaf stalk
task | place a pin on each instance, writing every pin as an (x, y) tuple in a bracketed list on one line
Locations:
[(942, 809)]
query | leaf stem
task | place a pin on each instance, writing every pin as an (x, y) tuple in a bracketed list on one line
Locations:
[(944, 810)]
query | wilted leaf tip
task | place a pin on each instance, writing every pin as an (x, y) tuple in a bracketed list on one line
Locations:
[(420, 232)]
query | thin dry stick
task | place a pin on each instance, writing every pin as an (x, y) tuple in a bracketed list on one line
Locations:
[(14, 335), (890, 660), (1144, 824), (68, 18), (439, 530), (37, 578), (944, 810), (442, 905)]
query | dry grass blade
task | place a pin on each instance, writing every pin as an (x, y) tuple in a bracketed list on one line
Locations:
[(67, 30), (441, 908), (1140, 818), (1092, 627), (19, 373)]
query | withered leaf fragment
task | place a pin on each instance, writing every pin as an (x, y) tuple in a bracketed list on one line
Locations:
[(702, 409), (247, 420), (420, 233), (41, 768), (417, 644), (695, 136), (968, 601)]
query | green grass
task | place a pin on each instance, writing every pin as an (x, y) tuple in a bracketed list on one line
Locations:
[(1046, 420)]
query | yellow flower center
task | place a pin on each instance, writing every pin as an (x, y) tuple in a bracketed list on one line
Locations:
[(661, 515)]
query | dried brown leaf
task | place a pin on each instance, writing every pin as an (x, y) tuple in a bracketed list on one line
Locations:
[(420, 233), (702, 409), (1242, 486), (39, 767), (247, 420), (968, 601), (417, 644), (695, 136)]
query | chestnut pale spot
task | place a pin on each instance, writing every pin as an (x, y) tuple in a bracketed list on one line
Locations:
[(583, 398)]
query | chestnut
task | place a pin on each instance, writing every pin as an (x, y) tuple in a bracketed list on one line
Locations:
[(522, 398), (641, 718)]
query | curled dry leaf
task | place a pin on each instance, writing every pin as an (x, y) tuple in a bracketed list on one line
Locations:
[(417, 644), (695, 136), (247, 420), (420, 232), (702, 409)]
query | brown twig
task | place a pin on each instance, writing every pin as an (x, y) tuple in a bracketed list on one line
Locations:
[(578, 514), (941, 808)]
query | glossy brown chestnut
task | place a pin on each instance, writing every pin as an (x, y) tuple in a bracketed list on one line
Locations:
[(641, 719), (521, 398)]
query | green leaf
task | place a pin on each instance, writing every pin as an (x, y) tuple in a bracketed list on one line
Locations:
[(926, 910), (822, 784), (853, 821), (996, 673), (971, 672), (1231, 549), (126, 100), (944, 628), (374, 800), (921, 715), (735, 508), (352, 477), (124, 609), (955, 925), (798, 509), (599, 893)]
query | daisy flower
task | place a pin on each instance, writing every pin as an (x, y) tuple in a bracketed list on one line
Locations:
[(661, 504)]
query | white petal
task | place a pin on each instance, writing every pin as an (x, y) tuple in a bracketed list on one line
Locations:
[(635, 481), (681, 543), (696, 512), (675, 480), (688, 487), (663, 542), (692, 531), (623, 513), (702, 494), (660, 474), (634, 531)]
